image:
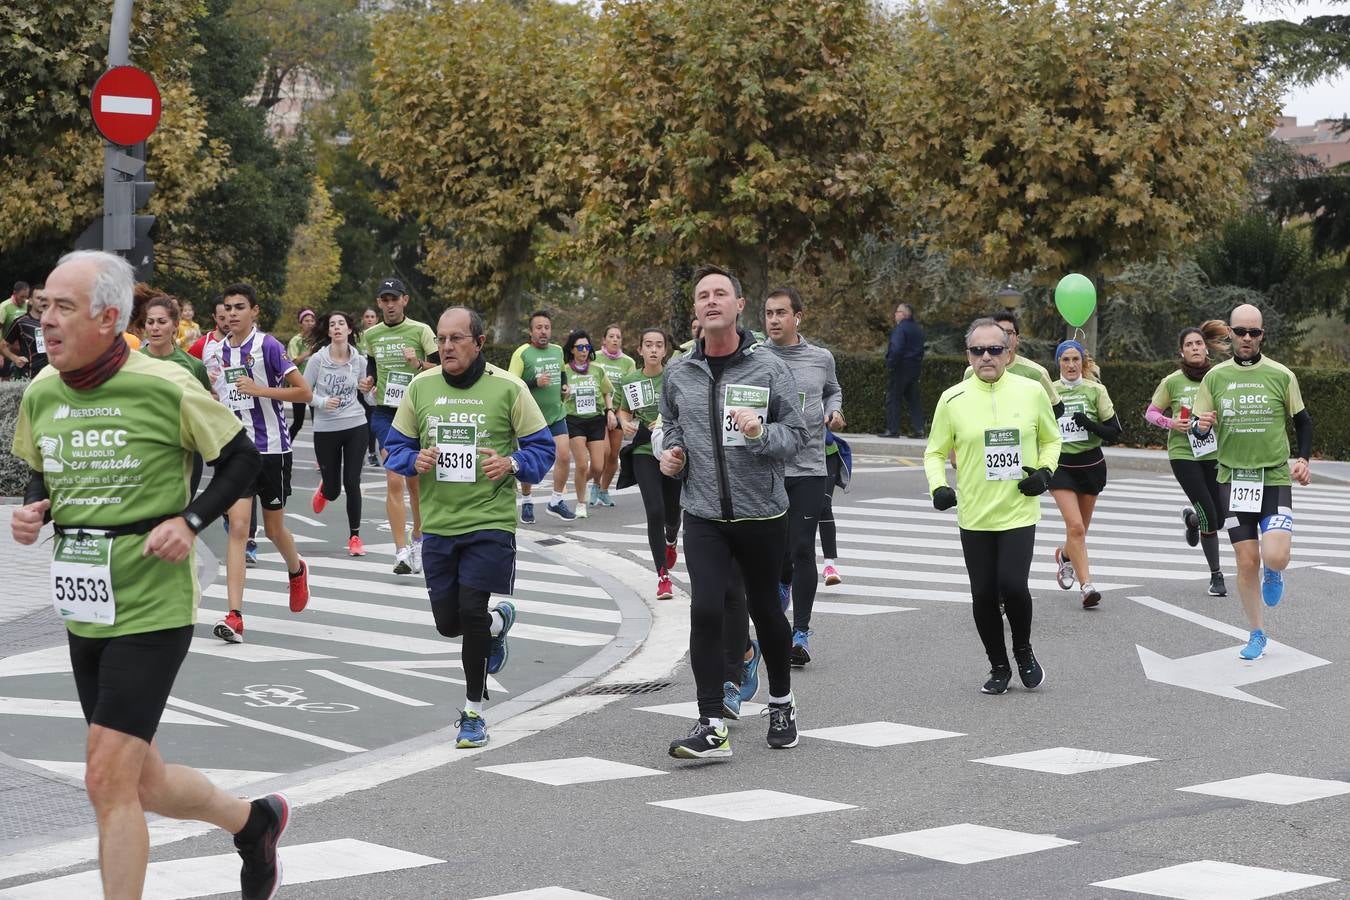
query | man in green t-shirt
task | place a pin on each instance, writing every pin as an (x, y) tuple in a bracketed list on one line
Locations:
[(109, 436), (616, 364), (1247, 399), (539, 364), (396, 350), (10, 310), (464, 428)]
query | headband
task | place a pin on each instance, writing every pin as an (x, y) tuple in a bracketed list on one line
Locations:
[(1069, 345)]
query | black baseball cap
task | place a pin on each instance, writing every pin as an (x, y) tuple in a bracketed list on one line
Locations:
[(392, 286)]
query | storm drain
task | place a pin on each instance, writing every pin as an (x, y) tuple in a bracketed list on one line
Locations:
[(551, 542), (627, 687)]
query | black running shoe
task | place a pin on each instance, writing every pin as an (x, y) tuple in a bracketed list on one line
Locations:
[(999, 676), (1192, 526), (260, 875), (1028, 669), (704, 742), (782, 724), (1216, 585)]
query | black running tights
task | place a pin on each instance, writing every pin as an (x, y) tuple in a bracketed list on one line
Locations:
[(999, 564), (1198, 478), (710, 549), (829, 548), (341, 457), (297, 419), (661, 500), (805, 493), (467, 614)]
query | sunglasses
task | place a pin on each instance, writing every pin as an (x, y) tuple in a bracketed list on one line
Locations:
[(581, 346), (1243, 332), (981, 351)]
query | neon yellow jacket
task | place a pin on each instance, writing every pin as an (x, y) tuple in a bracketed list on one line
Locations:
[(974, 415)]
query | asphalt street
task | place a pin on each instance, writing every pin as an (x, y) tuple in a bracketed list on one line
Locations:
[(1153, 762)]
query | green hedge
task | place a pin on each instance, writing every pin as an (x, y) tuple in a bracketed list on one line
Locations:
[(863, 377), (13, 471)]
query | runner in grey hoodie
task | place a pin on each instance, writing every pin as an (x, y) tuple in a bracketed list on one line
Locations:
[(340, 428), (731, 420), (820, 399)]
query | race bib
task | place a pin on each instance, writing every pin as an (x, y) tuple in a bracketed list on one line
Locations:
[(742, 396), (586, 405), (1002, 454), (1070, 432), (1247, 490), (39, 342), (456, 453), (1203, 446), (233, 399), (395, 387), (82, 579), (639, 394)]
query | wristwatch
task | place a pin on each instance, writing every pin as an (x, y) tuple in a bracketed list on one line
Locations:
[(194, 522), (515, 466)]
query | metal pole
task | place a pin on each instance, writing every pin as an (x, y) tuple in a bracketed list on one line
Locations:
[(116, 212)]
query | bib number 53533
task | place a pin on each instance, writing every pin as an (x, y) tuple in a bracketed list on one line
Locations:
[(82, 589)]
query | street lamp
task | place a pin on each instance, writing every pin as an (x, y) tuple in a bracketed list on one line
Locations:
[(1009, 296)]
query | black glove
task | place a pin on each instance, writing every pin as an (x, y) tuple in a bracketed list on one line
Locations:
[(1082, 421), (1037, 481), (944, 498)]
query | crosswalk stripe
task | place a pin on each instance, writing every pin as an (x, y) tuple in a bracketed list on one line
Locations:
[(421, 617), (70, 709), (419, 592), (1097, 548), (204, 876), (259, 725), (351, 564), (222, 778), (361, 637), (368, 688)]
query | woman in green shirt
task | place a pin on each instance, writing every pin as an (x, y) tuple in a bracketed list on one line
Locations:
[(617, 366), (639, 407), (1089, 418), (299, 352), (1194, 460), (588, 402), (161, 332)]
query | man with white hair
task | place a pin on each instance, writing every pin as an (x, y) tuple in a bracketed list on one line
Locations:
[(110, 469)]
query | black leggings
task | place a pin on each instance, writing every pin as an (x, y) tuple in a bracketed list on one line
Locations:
[(1199, 479), (999, 563), (370, 438), (297, 418), (805, 493), (710, 548), (661, 500), (467, 614), (341, 457), (829, 548)]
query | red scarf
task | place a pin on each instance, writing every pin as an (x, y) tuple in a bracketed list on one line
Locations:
[(101, 369)]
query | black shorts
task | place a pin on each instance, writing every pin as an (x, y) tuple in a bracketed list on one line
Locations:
[(273, 484), (124, 682), (1276, 499), (1089, 479), (558, 428), (591, 429)]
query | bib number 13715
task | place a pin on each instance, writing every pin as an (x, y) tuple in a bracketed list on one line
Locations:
[(1247, 490)]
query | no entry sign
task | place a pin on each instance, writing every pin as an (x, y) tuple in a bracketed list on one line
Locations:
[(125, 105)]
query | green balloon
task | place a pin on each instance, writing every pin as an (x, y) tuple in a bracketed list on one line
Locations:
[(1075, 298)]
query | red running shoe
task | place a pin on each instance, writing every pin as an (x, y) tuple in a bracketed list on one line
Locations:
[(320, 501), (355, 547), (664, 590), (231, 628), (300, 588), (671, 556)]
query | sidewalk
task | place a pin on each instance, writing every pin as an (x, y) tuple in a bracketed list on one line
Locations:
[(1329, 470)]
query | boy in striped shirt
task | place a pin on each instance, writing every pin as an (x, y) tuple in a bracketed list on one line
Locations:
[(257, 382)]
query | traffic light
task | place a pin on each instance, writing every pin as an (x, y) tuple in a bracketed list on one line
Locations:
[(122, 230)]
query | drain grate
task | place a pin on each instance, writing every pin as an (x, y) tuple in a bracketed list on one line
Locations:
[(551, 542), (627, 687)]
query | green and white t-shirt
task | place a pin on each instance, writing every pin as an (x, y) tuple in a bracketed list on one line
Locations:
[(1088, 397), (586, 392), (189, 362), (456, 497), (615, 369), (1172, 393), (119, 455), (295, 348), (1253, 403), (528, 363), (385, 344), (641, 395)]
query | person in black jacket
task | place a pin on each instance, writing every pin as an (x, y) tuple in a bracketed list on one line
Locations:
[(904, 359)]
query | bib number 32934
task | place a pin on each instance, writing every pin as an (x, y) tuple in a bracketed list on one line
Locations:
[(82, 588), (456, 453), (1002, 454), (742, 396), (1247, 490)]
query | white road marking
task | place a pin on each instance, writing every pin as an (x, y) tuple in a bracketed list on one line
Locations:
[(965, 843), (1064, 760), (70, 709), (753, 806), (368, 688), (879, 734), (266, 726), (1211, 880), (249, 652), (221, 778), (1270, 787), (574, 770)]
